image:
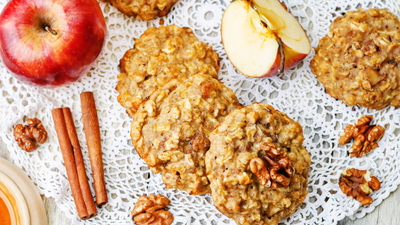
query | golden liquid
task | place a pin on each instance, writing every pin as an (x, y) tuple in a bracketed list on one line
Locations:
[(5, 217), (9, 214)]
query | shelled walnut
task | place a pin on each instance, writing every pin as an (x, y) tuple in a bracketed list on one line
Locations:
[(274, 169), (358, 184), (150, 210), (366, 136), (27, 135)]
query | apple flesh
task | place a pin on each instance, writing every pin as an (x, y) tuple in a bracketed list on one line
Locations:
[(261, 38), (50, 43)]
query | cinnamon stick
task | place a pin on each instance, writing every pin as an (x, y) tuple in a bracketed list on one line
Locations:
[(80, 166), (81, 197), (92, 133)]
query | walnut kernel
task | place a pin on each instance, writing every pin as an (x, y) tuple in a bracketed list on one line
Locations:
[(150, 210), (275, 169), (358, 184), (27, 135), (257, 167), (366, 136)]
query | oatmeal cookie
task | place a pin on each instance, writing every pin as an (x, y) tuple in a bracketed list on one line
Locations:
[(143, 9), (257, 165), (160, 55), (358, 62), (170, 130)]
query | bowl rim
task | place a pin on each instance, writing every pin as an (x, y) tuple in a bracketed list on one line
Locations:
[(34, 203), (15, 200)]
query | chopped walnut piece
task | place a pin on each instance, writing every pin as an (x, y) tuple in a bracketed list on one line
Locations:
[(257, 167), (37, 130), (208, 89), (27, 135), (358, 184), (150, 210), (200, 143), (275, 170), (366, 136)]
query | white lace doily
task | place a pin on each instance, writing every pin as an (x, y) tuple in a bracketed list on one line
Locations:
[(297, 93)]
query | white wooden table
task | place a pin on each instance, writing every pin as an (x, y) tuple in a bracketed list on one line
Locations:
[(388, 213)]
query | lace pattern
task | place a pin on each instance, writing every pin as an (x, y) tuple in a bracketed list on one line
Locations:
[(296, 92)]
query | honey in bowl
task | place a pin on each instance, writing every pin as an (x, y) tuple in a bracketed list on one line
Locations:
[(5, 217), (11, 204)]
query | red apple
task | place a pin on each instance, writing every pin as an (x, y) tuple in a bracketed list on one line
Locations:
[(50, 43)]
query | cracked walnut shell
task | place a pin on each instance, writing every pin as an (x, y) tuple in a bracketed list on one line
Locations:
[(358, 184), (149, 210), (28, 135), (366, 136), (143, 10), (358, 62)]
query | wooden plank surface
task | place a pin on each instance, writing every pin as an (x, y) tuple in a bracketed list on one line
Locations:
[(385, 214)]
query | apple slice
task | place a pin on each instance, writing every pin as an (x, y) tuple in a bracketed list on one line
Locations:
[(261, 38)]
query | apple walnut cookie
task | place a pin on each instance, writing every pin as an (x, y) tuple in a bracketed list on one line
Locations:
[(170, 130), (257, 165), (160, 55), (143, 10), (358, 62)]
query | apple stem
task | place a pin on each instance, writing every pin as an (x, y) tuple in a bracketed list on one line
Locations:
[(282, 53), (47, 28)]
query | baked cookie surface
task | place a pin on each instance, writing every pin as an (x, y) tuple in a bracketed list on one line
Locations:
[(160, 55), (257, 165), (143, 9), (170, 130), (358, 62)]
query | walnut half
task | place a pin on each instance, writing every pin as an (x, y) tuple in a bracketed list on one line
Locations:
[(149, 210), (27, 135), (274, 169), (366, 136), (358, 184)]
